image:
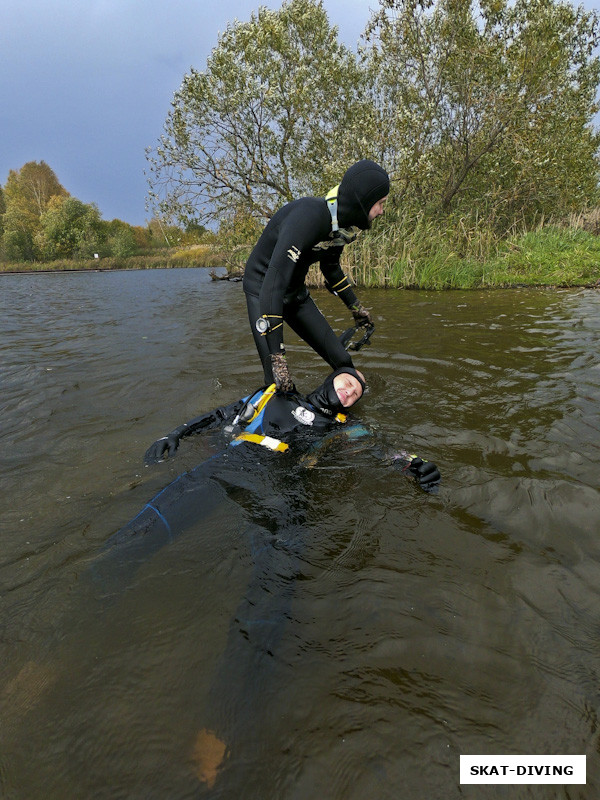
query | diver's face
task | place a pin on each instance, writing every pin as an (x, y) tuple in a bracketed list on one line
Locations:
[(347, 388), (378, 209)]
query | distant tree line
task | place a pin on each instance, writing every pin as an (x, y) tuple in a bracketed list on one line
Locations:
[(483, 113), (41, 221)]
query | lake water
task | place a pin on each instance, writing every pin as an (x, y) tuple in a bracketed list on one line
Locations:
[(412, 628)]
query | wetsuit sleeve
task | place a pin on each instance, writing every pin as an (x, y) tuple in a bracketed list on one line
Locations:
[(359, 438), (213, 419), (335, 279), (299, 232), (167, 446)]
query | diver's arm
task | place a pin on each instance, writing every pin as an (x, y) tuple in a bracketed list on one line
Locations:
[(426, 473), (358, 438), (167, 446), (340, 285)]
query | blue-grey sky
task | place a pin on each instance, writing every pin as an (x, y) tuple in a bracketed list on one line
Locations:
[(86, 86)]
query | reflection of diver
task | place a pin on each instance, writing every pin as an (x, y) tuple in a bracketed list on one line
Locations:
[(272, 436)]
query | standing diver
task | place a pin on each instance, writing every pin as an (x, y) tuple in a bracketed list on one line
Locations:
[(301, 233)]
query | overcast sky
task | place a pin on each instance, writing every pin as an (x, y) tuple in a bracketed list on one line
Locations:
[(86, 86)]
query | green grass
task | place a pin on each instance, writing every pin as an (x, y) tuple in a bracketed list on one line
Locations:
[(423, 258), (549, 257), (428, 259), (195, 256)]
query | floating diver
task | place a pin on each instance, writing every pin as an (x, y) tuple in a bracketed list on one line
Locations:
[(295, 419), (276, 423), (274, 438)]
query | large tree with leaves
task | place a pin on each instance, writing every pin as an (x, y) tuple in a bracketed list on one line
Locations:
[(69, 228), (2, 212), (27, 193), (278, 112), (487, 107)]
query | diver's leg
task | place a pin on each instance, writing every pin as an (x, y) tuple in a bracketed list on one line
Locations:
[(306, 320), (260, 341), (189, 499), (249, 673)]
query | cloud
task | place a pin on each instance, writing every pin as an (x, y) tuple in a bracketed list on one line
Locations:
[(88, 85)]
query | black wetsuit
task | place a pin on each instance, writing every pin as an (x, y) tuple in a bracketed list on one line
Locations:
[(259, 428), (298, 235), (260, 481)]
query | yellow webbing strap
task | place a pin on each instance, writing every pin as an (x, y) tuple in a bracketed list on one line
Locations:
[(265, 441), (266, 396), (331, 198)]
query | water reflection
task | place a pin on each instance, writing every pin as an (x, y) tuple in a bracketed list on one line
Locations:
[(417, 628)]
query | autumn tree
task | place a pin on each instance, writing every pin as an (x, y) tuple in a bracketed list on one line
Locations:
[(2, 212), (486, 108), (69, 229), (27, 193), (278, 112), (120, 238)]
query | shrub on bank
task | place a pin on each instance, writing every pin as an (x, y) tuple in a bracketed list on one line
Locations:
[(424, 256), (427, 257), (197, 256)]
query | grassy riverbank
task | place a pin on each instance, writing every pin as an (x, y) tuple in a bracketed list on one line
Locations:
[(166, 258), (550, 256)]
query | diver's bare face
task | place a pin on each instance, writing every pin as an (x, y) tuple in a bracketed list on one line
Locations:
[(378, 209), (347, 388)]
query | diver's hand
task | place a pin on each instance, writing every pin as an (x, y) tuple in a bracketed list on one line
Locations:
[(162, 449), (425, 473), (361, 315), (281, 373)]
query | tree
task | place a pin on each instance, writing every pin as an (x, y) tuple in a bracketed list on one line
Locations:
[(487, 107), (27, 194), (69, 229), (278, 112), (2, 212), (120, 239)]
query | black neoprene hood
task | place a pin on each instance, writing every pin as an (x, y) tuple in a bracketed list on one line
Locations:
[(325, 397), (363, 184)]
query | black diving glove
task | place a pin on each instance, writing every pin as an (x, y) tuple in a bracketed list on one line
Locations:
[(281, 373), (425, 473), (361, 315), (163, 448)]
